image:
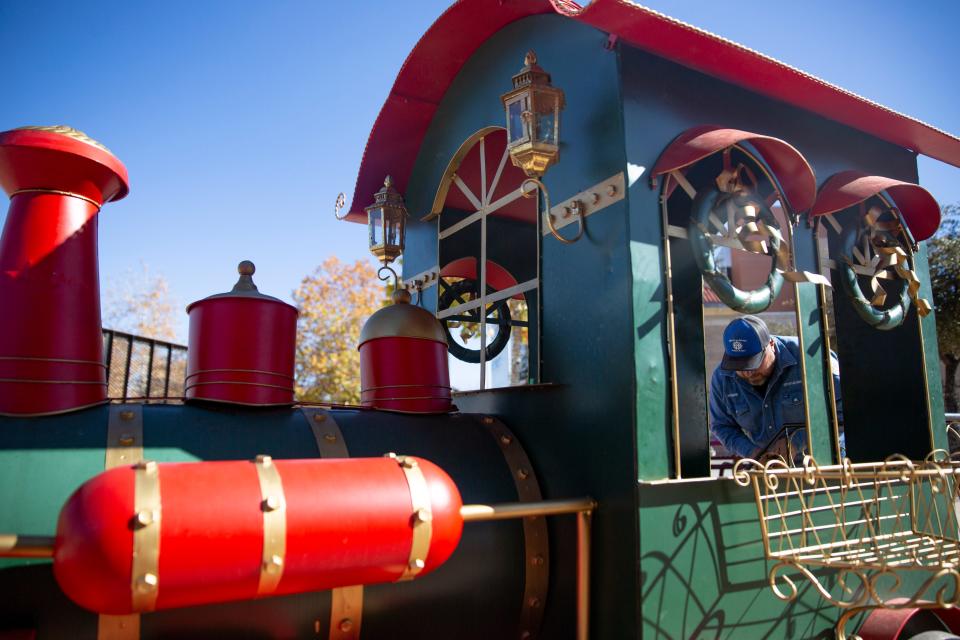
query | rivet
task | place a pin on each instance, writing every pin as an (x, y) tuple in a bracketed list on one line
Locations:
[(270, 503), (523, 474), (126, 415), (611, 189), (149, 466), (537, 561), (274, 564), (417, 563), (316, 626), (319, 417), (423, 515), (264, 460), (147, 582), (566, 212), (486, 420), (346, 625), (594, 197), (534, 602), (144, 517), (390, 455), (329, 437), (408, 463), (126, 439), (505, 439)]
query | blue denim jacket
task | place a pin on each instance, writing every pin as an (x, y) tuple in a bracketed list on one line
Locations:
[(745, 421)]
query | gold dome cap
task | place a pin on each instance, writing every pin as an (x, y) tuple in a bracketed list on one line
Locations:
[(402, 320)]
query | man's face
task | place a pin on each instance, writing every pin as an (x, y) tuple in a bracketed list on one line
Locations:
[(761, 374)]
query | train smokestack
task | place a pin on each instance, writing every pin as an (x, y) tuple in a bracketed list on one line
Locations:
[(51, 348)]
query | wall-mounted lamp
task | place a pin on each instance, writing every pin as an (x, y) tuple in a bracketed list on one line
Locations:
[(532, 109), (386, 221)]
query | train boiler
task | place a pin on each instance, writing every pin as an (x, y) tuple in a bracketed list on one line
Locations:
[(581, 196)]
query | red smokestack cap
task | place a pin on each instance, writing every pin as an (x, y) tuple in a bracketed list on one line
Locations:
[(51, 349)]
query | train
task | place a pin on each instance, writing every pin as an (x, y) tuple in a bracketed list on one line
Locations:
[(582, 197)]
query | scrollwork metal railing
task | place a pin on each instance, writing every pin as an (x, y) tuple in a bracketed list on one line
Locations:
[(856, 531)]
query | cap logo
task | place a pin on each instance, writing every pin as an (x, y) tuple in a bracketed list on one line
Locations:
[(737, 345)]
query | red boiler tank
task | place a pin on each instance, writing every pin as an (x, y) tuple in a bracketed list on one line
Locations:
[(242, 346), (158, 536), (403, 360)]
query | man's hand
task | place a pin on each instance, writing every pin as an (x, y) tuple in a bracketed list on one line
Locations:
[(778, 449)]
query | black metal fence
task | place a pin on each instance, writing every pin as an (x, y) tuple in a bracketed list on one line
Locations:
[(141, 368)]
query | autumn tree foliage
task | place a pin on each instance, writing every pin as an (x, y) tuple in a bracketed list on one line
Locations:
[(141, 304), (334, 302)]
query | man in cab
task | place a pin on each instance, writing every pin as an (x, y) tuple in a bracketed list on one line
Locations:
[(757, 407)]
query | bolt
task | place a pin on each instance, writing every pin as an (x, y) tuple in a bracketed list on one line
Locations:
[(505, 439), (526, 635), (316, 627), (146, 465), (611, 190), (594, 197), (274, 564), (566, 212), (390, 455), (270, 503), (126, 415), (330, 437), (523, 474), (346, 625), (264, 460), (486, 420), (144, 517), (534, 602), (408, 463), (147, 583), (319, 417), (537, 561), (423, 515), (417, 564), (126, 439)]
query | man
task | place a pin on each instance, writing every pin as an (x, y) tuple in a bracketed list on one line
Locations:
[(756, 394)]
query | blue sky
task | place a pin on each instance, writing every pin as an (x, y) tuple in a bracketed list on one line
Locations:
[(240, 121)]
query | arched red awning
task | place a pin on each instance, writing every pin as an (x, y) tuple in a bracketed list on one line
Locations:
[(498, 278), (847, 188), (790, 167)]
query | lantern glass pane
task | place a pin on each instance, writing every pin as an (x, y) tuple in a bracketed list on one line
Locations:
[(546, 111), (376, 227), (393, 230), (515, 111)]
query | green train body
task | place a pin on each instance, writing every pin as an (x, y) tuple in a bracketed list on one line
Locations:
[(608, 409)]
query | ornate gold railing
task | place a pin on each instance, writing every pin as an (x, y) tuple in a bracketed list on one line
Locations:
[(855, 531)]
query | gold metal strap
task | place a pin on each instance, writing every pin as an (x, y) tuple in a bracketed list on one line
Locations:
[(124, 435), (535, 541), (145, 577), (274, 507), (346, 603), (118, 627), (124, 447), (58, 192), (421, 519)]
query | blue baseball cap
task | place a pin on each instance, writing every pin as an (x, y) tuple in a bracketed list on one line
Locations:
[(744, 342)]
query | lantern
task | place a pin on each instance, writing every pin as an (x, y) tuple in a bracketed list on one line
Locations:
[(386, 220), (533, 119)]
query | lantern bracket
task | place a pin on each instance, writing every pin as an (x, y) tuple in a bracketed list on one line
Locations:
[(576, 208)]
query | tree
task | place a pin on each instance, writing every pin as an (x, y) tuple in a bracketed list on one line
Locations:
[(334, 302), (944, 254), (141, 304)]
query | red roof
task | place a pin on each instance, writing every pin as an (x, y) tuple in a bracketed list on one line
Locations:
[(451, 40)]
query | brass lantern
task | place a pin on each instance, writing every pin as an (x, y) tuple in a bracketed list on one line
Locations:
[(533, 119), (386, 220)]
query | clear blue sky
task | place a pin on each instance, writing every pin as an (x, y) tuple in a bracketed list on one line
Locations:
[(240, 121)]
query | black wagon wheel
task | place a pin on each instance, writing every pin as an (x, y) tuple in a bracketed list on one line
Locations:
[(461, 327)]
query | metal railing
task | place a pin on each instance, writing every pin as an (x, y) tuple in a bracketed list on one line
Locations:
[(144, 369)]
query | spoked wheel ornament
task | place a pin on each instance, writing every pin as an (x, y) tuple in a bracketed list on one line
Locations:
[(463, 329)]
